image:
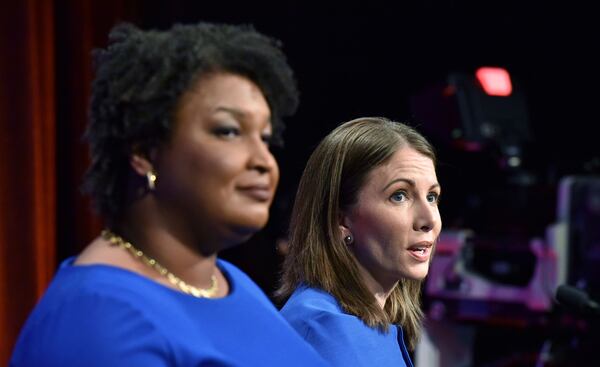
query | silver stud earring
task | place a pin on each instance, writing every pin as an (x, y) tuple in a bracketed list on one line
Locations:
[(348, 239), (151, 177)]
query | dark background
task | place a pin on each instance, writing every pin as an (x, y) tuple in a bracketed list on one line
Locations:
[(351, 59)]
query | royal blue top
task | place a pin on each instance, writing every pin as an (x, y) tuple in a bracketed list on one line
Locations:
[(101, 315), (343, 339)]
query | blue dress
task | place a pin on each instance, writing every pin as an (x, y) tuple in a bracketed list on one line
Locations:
[(343, 339), (100, 315)]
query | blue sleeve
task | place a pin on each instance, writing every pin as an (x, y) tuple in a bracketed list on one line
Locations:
[(90, 331), (331, 337)]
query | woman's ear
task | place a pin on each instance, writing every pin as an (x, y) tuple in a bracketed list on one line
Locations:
[(140, 164), (344, 227)]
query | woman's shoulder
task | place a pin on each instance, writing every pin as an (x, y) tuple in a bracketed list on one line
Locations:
[(117, 285), (99, 281), (342, 338), (311, 300), (100, 294), (80, 311), (313, 308), (94, 292), (318, 311)]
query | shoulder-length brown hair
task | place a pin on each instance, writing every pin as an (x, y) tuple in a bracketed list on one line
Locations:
[(318, 256)]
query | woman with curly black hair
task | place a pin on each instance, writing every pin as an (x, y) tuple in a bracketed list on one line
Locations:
[(180, 126)]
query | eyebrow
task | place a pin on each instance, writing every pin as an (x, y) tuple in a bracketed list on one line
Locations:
[(242, 115), (410, 182), (234, 111)]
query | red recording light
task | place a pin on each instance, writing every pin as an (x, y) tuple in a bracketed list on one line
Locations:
[(495, 81)]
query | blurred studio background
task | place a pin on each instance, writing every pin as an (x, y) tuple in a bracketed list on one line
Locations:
[(506, 91)]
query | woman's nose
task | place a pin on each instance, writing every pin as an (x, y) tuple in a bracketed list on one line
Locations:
[(261, 158), (426, 217)]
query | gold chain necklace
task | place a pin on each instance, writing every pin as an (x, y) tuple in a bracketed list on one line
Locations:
[(173, 279)]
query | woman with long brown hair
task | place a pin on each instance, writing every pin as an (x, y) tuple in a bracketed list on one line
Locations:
[(362, 233)]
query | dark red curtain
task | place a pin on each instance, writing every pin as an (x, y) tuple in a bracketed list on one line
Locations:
[(45, 74), (27, 162)]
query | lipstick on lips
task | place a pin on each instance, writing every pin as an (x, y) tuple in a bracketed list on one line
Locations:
[(257, 192), (421, 251)]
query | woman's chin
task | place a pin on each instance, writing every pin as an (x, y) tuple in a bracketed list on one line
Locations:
[(254, 223), (416, 274), (419, 275), (244, 230)]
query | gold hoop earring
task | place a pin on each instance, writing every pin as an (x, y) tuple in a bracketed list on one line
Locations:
[(151, 178)]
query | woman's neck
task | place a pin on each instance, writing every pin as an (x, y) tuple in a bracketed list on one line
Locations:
[(380, 289), (169, 242)]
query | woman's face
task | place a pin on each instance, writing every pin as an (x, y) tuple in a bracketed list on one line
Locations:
[(396, 220), (217, 174)]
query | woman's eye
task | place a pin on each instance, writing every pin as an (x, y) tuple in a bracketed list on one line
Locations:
[(398, 196), (227, 132), (433, 197)]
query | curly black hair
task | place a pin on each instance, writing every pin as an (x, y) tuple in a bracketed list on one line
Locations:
[(140, 78)]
